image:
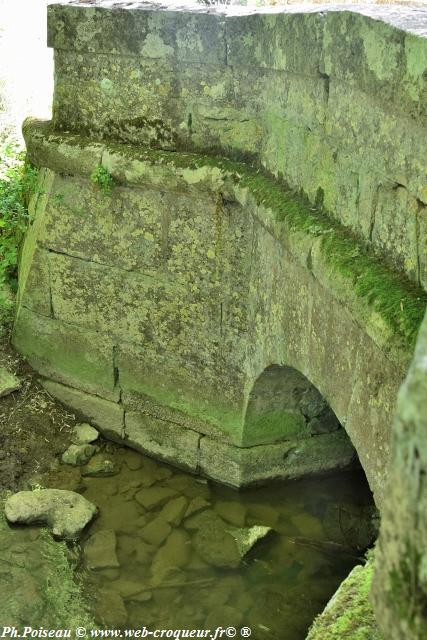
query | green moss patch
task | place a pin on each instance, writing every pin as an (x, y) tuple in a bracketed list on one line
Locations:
[(44, 590), (349, 615)]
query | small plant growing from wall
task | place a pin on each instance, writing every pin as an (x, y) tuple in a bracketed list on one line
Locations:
[(102, 179)]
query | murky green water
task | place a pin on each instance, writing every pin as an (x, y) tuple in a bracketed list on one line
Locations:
[(320, 527)]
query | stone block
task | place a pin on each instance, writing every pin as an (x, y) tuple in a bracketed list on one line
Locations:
[(66, 353), (34, 283), (370, 413), (240, 467), (124, 229), (106, 415), (70, 155), (174, 389), (166, 441), (297, 41), (138, 31), (394, 230)]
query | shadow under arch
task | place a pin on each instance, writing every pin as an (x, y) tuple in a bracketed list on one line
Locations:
[(284, 407)]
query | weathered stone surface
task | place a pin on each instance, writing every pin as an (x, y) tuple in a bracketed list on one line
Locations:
[(349, 613), (401, 551), (166, 441), (235, 102), (84, 433), (290, 459), (213, 543), (100, 550), (78, 454), (278, 318), (66, 512), (107, 416), (68, 354), (193, 274), (246, 538), (8, 382)]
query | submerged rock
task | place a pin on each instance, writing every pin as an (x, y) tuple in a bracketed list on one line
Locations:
[(173, 511), (8, 382), (156, 531), (65, 512), (100, 550), (110, 609), (174, 554), (197, 504), (221, 545), (154, 496), (246, 538), (78, 454), (100, 467), (133, 590), (233, 512), (84, 433), (133, 460)]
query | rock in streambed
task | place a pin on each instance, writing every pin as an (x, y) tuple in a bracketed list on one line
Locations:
[(220, 544), (8, 382), (65, 512)]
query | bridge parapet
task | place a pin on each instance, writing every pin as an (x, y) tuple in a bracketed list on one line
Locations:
[(332, 99)]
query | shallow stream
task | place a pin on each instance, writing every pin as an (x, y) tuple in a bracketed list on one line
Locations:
[(160, 574)]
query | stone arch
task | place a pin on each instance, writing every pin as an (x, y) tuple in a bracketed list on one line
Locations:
[(285, 405)]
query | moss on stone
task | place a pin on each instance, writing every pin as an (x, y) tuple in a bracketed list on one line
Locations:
[(273, 426), (63, 594), (349, 614), (399, 302), (46, 593)]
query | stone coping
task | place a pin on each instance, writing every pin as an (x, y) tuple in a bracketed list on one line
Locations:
[(407, 18)]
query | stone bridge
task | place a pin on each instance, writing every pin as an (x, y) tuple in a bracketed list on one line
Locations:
[(227, 252)]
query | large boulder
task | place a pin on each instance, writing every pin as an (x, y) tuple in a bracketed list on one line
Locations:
[(65, 512)]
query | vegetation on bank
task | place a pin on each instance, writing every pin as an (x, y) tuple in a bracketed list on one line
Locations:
[(349, 614), (17, 181), (57, 598)]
